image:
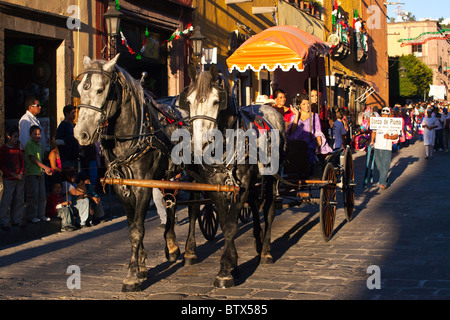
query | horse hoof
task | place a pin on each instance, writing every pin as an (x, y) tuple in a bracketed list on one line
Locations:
[(172, 257), (224, 282), (190, 261), (266, 260), (133, 287), (142, 274)]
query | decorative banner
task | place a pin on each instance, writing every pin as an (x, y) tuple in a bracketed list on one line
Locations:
[(334, 13), (377, 123), (443, 34), (148, 39)]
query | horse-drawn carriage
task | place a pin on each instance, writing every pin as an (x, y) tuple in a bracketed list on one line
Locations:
[(135, 132)]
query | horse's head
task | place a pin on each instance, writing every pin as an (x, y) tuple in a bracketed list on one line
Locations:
[(93, 87), (204, 99)]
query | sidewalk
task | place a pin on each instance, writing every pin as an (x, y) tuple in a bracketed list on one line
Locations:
[(404, 231), (111, 205)]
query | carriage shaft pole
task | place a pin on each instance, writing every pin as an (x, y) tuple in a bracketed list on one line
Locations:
[(172, 185)]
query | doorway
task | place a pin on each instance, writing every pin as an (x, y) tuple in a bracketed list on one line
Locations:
[(30, 70)]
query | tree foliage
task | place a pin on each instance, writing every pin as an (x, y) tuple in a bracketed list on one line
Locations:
[(417, 78)]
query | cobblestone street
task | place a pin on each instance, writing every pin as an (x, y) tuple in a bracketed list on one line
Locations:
[(404, 230)]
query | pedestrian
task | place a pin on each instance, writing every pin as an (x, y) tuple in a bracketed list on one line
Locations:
[(68, 146), (339, 132), (438, 145), (429, 124), (58, 207), (29, 119), (96, 212), (12, 205), (55, 163), (80, 202), (446, 130), (382, 140), (34, 177)]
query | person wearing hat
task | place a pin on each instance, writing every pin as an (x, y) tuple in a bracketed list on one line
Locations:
[(263, 99), (67, 144), (382, 140)]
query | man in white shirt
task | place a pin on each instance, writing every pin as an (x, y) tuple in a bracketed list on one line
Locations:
[(382, 142), (29, 119)]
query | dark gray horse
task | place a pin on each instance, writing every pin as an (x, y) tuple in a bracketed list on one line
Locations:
[(211, 111), (117, 111)]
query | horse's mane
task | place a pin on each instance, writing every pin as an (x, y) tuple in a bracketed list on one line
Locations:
[(131, 86), (203, 85)]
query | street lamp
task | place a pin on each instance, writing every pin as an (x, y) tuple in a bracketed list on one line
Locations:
[(402, 70), (112, 17), (197, 41)]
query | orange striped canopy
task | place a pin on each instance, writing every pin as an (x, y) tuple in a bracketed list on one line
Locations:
[(281, 46)]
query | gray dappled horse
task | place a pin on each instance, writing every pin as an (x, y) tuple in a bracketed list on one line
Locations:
[(117, 111), (210, 109)]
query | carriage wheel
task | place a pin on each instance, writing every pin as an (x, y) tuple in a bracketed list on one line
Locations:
[(244, 214), (348, 185), (208, 221), (328, 203)]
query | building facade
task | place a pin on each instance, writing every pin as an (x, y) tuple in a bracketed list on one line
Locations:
[(359, 72), (411, 37), (42, 44), (357, 31), (226, 24)]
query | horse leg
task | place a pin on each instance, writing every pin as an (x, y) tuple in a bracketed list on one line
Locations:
[(228, 261), (142, 254), (269, 214), (257, 231), (137, 268), (172, 249), (132, 282), (190, 257)]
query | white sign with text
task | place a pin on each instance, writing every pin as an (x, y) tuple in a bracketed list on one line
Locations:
[(377, 123)]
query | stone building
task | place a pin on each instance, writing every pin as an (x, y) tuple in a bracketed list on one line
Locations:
[(422, 39), (42, 44)]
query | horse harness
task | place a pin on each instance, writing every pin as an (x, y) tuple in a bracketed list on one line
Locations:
[(142, 141)]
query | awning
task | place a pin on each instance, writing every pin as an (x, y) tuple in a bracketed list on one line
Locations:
[(281, 46)]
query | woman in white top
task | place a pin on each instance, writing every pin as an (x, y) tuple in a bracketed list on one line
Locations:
[(429, 125)]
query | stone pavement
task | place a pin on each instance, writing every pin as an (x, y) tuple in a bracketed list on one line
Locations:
[(404, 231)]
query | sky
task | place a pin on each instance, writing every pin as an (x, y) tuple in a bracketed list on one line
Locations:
[(422, 9)]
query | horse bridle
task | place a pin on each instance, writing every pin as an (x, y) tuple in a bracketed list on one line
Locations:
[(223, 104), (89, 72)]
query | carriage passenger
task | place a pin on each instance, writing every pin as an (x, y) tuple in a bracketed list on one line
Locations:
[(305, 125), (280, 106)]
